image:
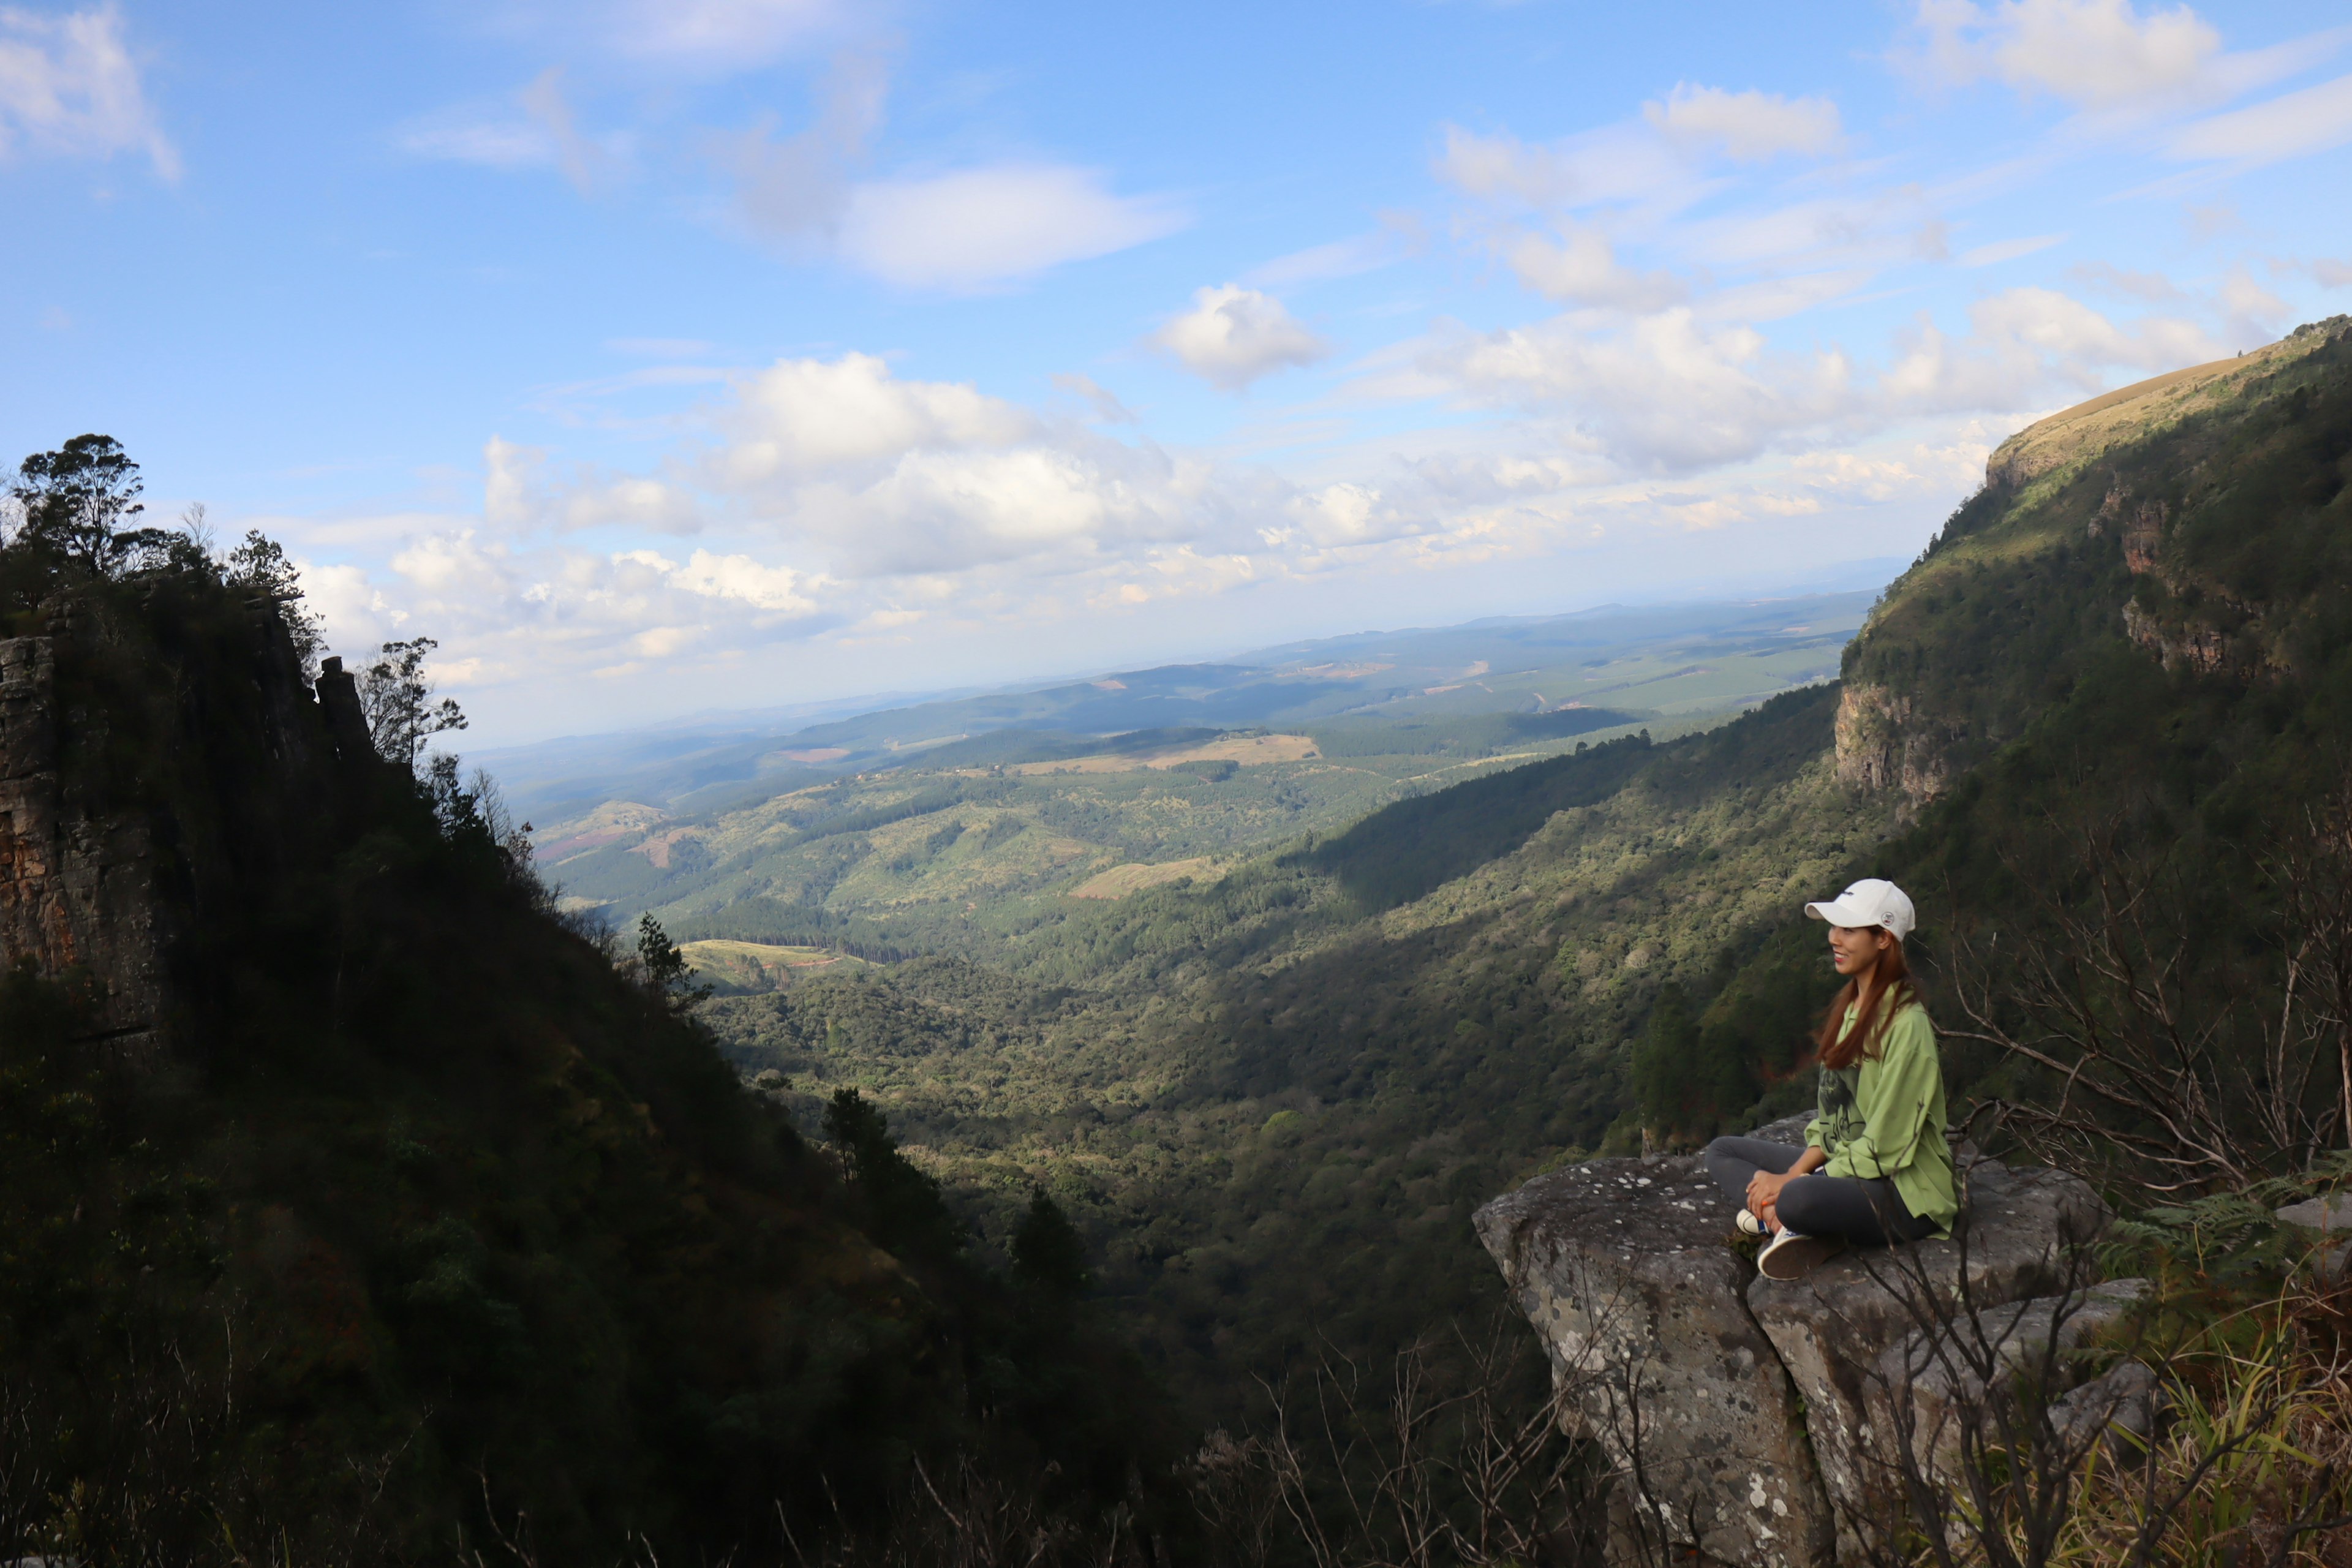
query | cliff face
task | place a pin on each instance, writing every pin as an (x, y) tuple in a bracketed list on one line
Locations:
[(140, 810), (2127, 516), (1881, 745), (76, 892)]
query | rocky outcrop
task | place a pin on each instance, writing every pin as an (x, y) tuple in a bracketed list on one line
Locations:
[(1622, 1268), (1880, 745), (1746, 1418), (124, 841), (1900, 730), (1834, 1329), (1935, 1384), (77, 889), (2130, 412)]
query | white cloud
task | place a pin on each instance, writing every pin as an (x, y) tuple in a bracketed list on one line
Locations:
[(1669, 392), (2289, 126), (2026, 346), (882, 478), (1582, 266), (980, 229), (2094, 54), (1233, 335), (2117, 64), (1502, 164), (1746, 127), (1662, 392), (773, 588), (1628, 163), (1348, 514), (70, 87), (804, 417)]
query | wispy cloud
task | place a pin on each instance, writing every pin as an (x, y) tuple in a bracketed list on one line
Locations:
[(2003, 250), (2290, 126), (796, 189), (533, 128), (1747, 127), (71, 87), (685, 37), (973, 229)]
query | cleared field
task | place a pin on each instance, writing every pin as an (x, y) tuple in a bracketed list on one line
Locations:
[(1247, 750), (1120, 880), (757, 966), (608, 823)]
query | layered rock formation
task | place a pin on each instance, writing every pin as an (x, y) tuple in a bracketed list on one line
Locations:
[(1752, 1420)]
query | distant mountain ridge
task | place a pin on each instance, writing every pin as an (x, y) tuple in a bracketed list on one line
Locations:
[(1427, 677)]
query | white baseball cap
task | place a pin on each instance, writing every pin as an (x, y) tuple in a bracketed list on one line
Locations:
[(1869, 902)]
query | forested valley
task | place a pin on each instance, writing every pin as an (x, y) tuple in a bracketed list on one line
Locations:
[(439, 1202)]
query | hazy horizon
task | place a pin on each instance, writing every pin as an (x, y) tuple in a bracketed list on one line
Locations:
[(820, 710)]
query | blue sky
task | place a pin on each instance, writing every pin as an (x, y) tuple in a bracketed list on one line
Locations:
[(658, 357)]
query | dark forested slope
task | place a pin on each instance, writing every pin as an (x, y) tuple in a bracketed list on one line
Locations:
[(350, 1201)]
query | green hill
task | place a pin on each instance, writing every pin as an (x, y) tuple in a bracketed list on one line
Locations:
[(1275, 1098), (971, 839)]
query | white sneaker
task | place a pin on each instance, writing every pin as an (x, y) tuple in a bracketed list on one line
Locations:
[(1750, 1225), (1792, 1257)]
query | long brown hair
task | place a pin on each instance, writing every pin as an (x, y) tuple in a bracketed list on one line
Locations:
[(1890, 991)]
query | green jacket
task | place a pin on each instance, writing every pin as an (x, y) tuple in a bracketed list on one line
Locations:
[(1884, 1118)]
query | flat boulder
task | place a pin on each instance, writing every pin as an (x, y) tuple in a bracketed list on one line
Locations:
[(1626, 1269), (1748, 1419)]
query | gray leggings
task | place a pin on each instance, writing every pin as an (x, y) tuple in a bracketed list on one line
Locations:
[(1867, 1213)]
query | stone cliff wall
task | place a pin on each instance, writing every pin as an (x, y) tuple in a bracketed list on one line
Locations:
[(1881, 746), (211, 781), (77, 895)]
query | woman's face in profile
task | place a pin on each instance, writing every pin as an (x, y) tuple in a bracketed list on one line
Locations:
[(1855, 949)]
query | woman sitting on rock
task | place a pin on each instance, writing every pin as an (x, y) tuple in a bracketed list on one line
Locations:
[(1875, 1167)]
